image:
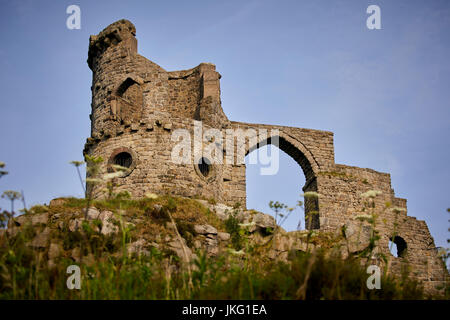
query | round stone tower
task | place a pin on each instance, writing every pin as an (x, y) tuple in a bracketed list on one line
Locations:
[(137, 106), (118, 73)]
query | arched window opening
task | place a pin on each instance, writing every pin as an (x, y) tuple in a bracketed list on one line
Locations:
[(123, 88), (285, 186), (204, 166), (127, 101)]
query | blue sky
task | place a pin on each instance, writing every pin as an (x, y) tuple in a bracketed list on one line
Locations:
[(311, 64)]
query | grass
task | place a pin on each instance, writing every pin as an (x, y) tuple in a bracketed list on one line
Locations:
[(108, 273), (219, 278)]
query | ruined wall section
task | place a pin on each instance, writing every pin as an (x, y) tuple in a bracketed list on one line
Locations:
[(184, 92), (341, 187), (234, 185), (340, 204), (420, 257), (195, 94), (313, 150), (152, 168), (118, 73)]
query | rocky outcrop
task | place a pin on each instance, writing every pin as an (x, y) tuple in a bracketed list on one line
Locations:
[(56, 231)]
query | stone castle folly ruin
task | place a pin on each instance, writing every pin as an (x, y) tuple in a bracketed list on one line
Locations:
[(136, 106)]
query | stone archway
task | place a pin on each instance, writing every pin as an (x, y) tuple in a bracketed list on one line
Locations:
[(300, 154)]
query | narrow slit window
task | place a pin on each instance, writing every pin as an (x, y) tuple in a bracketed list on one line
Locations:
[(204, 166)]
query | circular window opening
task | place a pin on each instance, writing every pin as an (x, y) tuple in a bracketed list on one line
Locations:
[(397, 246), (123, 159), (204, 166)]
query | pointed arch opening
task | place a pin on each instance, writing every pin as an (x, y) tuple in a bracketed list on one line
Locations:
[(295, 174), (127, 102)]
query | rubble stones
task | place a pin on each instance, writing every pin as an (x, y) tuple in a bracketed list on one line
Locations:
[(223, 236), (205, 229), (54, 251), (56, 202), (92, 213), (181, 249), (138, 247), (41, 239)]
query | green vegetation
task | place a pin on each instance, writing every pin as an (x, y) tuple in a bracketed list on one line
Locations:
[(24, 274), (110, 271), (107, 274), (233, 228)]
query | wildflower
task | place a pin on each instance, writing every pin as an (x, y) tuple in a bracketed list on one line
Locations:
[(151, 195), (237, 253), (11, 195), (371, 194), (93, 160), (125, 194), (313, 234), (94, 180), (398, 210), (364, 217), (119, 168), (113, 175), (311, 194), (76, 163), (244, 225)]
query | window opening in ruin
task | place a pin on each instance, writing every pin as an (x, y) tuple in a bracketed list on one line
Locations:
[(204, 166), (285, 187), (397, 246), (123, 159)]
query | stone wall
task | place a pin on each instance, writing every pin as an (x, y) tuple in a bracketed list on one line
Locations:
[(137, 105)]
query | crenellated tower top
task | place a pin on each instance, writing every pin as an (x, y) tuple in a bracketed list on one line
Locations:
[(121, 32)]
